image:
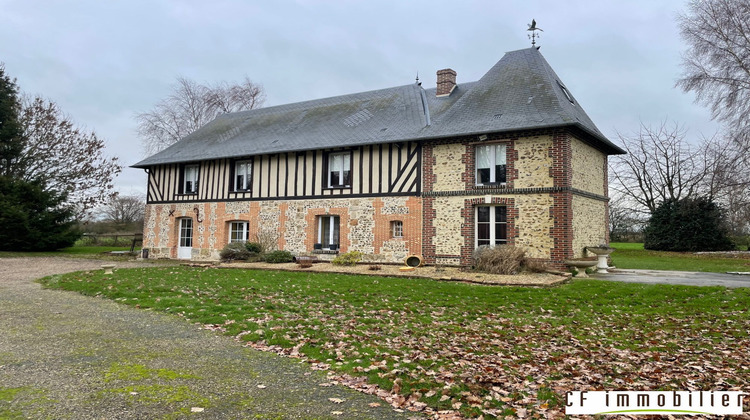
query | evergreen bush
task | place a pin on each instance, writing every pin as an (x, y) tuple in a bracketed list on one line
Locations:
[(33, 218), (254, 247), (687, 225), (234, 251), (277, 257)]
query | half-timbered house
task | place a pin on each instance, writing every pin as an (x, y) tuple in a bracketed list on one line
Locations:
[(509, 159)]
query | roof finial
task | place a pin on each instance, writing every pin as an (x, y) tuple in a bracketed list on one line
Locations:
[(534, 35), (418, 82)]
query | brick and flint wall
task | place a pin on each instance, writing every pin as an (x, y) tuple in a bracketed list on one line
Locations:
[(364, 223)]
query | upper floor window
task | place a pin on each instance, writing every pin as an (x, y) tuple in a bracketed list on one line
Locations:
[(339, 170), (238, 232), (490, 164), (242, 172), (190, 185)]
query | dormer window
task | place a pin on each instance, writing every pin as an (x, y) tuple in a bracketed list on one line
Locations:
[(490, 164), (190, 185), (565, 91), (339, 170)]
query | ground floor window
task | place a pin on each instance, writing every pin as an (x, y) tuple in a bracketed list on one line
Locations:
[(238, 232), (491, 225), (397, 229), (328, 232)]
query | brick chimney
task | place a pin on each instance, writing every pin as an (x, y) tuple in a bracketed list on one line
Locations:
[(446, 82)]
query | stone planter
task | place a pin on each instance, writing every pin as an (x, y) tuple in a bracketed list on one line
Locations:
[(581, 266), (602, 252)]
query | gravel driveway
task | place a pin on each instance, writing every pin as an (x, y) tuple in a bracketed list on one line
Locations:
[(63, 355)]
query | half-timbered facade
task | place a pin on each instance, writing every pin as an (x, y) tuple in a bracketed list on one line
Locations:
[(509, 159)]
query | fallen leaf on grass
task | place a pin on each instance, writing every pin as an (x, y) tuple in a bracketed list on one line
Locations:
[(374, 404), (197, 409), (336, 400), (261, 386), (337, 413)]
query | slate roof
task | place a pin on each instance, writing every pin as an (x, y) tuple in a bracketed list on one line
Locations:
[(520, 92)]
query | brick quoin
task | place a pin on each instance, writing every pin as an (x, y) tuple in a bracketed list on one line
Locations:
[(428, 212), (562, 208)]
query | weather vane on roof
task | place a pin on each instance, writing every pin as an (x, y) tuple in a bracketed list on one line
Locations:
[(533, 29)]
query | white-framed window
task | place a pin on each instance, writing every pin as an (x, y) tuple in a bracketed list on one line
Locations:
[(490, 164), (190, 185), (339, 170), (238, 232), (242, 172), (328, 232), (491, 225), (397, 229)]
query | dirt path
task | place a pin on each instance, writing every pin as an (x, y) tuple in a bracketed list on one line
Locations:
[(63, 355)]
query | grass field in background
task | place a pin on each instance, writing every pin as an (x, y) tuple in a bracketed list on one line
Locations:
[(632, 255), (74, 251)]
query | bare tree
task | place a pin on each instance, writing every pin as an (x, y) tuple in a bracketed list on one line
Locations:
[(717, 61), (124, 209), (70, 159), (659, 165), (624, 223), (192, 105)]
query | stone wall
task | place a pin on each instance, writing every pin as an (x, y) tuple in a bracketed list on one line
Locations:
[(534, 162), (588, 167), (534, 225), (449, 166), (589, 224), (364, 223), (448, 220)]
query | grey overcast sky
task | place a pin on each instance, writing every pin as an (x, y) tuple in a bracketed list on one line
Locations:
[(106, 61)]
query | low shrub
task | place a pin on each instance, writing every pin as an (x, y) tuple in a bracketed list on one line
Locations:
[(277, 257), (254, 247), (534, 266), (502, 259), (234, 251), (349, 258), (268, 240)]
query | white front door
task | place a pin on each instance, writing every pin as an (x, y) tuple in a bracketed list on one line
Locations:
[(185, 247)]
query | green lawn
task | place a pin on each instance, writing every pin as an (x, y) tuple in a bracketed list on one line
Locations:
[(632, 255), (482, 350)]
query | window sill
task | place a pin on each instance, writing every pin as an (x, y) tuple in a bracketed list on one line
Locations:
[(325, 251), (491, 185), (187, 194), (338, 187)]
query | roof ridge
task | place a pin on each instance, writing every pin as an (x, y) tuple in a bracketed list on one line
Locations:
[(301, 104)]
